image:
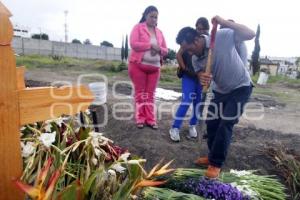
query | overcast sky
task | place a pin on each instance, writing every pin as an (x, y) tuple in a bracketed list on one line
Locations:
[(108, 20)]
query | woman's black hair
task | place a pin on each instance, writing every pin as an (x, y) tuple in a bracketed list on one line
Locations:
[(204, 22), (148, 10)]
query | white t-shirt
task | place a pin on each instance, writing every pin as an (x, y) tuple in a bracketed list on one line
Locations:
[(149, 59)]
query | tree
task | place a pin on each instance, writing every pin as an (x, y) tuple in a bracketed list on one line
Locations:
[(76, 41), (122, 50), (42, 36), (298, 62), (255, 64), (171, 54), (87, 42), (126, 48), (106, 43)]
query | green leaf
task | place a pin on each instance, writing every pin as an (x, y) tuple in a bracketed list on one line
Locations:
[(135, 174), (151, 193), (88, 184), (73, 192), (83, 133)]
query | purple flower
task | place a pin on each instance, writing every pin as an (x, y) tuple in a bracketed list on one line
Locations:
[(212, 189)]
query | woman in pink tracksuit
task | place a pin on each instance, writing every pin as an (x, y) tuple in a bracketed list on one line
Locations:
[(148, 47)]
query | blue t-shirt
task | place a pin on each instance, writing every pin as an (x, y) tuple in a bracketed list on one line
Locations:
[(228, 68)]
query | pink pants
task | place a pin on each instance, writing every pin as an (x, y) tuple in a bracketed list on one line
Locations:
[(145, 79)]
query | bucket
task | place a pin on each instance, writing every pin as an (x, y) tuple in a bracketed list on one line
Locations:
[(99, 91), (263, 78)]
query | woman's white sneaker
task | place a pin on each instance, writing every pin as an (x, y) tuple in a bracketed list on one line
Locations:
[(174, 134), (192, 132)]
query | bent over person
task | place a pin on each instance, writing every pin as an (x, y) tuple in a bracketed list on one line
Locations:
[(231, 87)]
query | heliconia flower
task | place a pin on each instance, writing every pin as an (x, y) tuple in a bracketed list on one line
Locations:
[(51, 184), (43, 174), (39, 191), (146, 183), (27, 149), (47, 138), (163, 170)]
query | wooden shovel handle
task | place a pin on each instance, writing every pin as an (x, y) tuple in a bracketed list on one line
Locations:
[(209, 56)]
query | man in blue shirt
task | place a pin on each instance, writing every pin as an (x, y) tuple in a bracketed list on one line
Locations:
[(231, 85)]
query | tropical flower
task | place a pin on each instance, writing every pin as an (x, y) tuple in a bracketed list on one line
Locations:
[(118, 168), (27, 149), (59, 121), (47, 138), (39, 191)]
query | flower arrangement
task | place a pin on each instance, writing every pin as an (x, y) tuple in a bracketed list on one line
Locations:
[(63, 160), (186, 183)]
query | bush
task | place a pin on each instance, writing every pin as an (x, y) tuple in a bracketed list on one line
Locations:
[(116, 68), (57, 57)]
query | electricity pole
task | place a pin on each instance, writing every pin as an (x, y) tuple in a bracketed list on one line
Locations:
[(66, 26)]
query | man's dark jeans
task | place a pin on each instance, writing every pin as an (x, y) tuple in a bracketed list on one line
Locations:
[(223, 113)]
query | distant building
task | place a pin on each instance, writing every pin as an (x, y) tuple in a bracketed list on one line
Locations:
[(279, 65), (268, 65)]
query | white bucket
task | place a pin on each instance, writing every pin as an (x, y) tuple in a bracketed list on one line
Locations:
[(263, 78), (99, 91)]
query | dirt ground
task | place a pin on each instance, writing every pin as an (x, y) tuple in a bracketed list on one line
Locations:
[(278, 126)]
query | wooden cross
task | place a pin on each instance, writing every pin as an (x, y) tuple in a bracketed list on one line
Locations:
[(19, 106)]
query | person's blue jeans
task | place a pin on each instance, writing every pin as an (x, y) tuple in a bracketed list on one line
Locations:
[(191, 93), (223, 113)]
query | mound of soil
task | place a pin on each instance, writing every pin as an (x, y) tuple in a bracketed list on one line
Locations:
[(32, 83), (267, 101), (246, 151)]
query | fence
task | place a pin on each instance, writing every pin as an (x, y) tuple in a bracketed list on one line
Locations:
[(29, 46)]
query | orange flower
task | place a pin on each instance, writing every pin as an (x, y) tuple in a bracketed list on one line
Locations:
[(39, 191)]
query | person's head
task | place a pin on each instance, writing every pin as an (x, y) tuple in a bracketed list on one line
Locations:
[(190, 40), (150, 16), (202, 26)]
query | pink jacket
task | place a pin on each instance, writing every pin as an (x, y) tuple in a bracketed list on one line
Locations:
[(140, 42)]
